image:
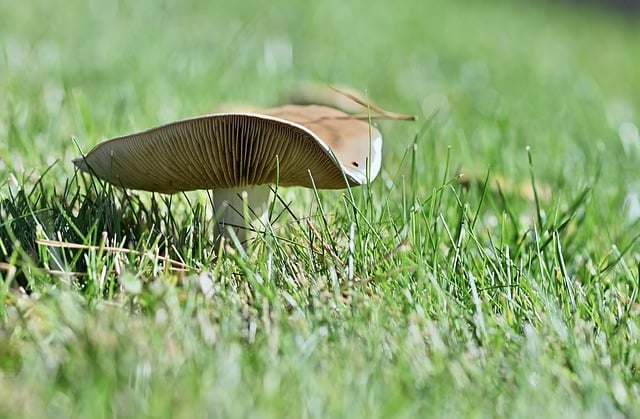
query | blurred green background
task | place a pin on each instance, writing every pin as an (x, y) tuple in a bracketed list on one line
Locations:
[(548, 329), (498, 75)]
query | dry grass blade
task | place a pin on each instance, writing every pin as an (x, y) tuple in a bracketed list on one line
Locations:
[(175, 265), (58, 273), (635, 307), (402, 247), (6, 267), (377, 113), (327, 248)]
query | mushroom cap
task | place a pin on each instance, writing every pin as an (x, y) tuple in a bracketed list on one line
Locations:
[(229, 150)]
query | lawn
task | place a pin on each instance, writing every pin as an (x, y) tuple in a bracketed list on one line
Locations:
[(491, 270)]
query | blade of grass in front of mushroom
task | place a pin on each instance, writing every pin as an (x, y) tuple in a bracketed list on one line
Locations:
[(323, 214), (274, 190)]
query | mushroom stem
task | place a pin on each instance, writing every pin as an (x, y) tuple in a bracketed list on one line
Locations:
[(236, 208)]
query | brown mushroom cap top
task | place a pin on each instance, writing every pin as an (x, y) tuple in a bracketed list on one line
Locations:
[(232, 150)]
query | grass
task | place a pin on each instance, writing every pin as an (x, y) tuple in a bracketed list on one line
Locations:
[(511, 293)]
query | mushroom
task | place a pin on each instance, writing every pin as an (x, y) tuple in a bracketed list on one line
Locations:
[(239, 155)]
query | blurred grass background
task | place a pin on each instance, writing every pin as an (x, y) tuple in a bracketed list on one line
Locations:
[(500, 76), (486, 79)]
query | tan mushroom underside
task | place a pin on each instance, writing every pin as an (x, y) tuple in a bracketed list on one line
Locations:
[(235, 150)]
